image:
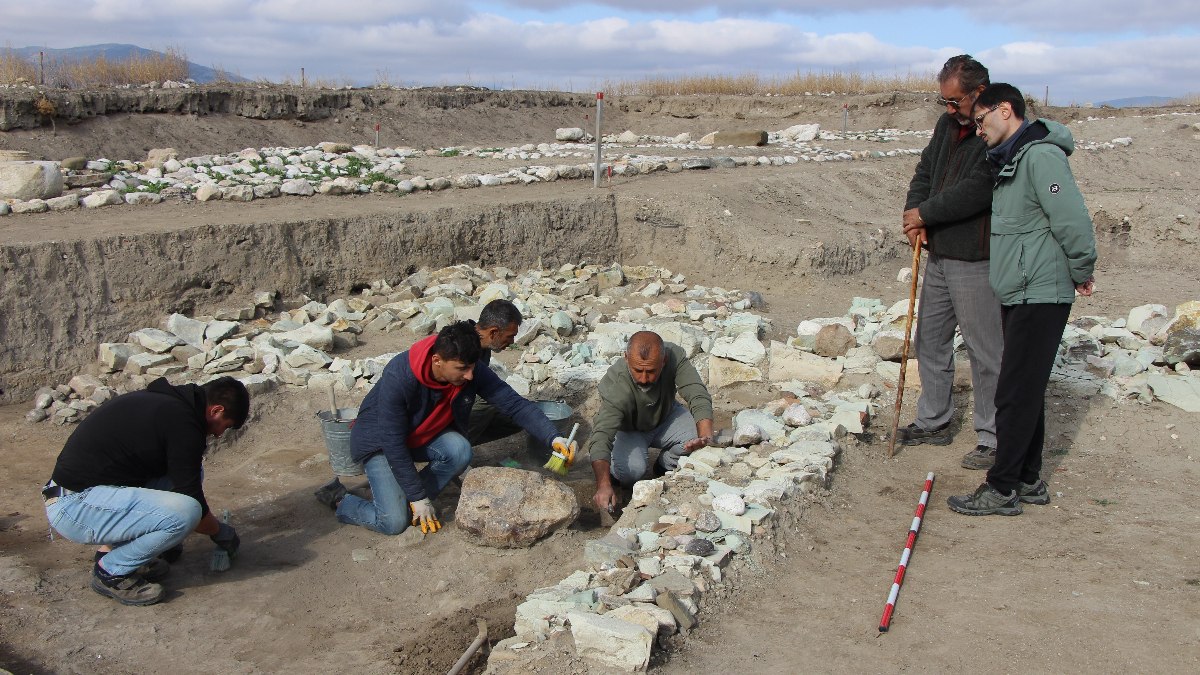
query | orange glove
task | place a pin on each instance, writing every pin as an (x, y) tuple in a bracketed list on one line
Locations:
[(425, 516)]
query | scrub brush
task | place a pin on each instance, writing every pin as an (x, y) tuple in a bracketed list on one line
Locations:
[(560, 463), (220, 557)]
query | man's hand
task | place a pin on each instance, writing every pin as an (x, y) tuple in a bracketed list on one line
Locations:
[(1086, 288), (561, 446), (226, 538), (697, 443), (605, 498), (914, 227), (425, 516)]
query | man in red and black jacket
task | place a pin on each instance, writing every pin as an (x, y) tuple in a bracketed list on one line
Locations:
[(130, 479), (420, 411)]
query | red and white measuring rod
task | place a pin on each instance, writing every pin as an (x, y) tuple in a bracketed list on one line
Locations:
[(908, 546)]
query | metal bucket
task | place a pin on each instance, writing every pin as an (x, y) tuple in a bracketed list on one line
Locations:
[(335, 427), (559, 414)]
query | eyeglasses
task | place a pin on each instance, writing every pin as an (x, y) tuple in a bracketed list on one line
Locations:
[(955, 103), (979, 120)]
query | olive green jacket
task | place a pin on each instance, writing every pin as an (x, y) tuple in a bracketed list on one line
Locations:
[(625, 407), (1042, 238)]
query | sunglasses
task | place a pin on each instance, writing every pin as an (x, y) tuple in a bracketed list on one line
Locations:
[(979, 119), (954, 103)]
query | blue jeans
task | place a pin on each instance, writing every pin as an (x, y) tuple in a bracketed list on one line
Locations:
[(448, 454), (139, 523), (631, 449)]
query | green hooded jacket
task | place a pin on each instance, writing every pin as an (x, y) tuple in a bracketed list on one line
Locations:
[(1042, 237)]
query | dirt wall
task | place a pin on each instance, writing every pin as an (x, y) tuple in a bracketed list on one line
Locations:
[(60, 299)]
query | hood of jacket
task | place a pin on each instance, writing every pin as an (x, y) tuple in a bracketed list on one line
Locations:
[(1039, 131)]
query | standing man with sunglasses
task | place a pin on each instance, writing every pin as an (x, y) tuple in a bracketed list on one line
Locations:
[(948, 211), (1045, 253)]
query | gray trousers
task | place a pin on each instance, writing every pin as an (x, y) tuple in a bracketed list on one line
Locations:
[(631, 449), (957, 294)]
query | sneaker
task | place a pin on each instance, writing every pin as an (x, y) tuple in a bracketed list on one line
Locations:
[(915, 435), (1034, 493), (981, 458), (130, 589), (986, 501), (331, 493), (155, 570)]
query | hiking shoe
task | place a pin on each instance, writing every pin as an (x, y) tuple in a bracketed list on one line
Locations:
[(986, 501), (981, 458), (130, 589), (915, 435), (155, 570), (1034, 493), (331, 493)]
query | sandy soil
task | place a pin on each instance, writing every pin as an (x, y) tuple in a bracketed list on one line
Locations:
[(1106, 578)]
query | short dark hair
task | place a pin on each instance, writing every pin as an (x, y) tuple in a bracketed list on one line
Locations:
[(230, 394), (458, 342), (969, 72), (499, 313), (1002, 92)]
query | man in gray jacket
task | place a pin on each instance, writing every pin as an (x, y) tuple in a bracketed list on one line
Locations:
[(947, 210)]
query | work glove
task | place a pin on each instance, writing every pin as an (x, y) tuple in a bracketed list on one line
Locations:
[(226, 538), (565, 448), (425, 516)]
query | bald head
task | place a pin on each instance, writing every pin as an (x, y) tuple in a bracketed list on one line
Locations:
[(645, 356)]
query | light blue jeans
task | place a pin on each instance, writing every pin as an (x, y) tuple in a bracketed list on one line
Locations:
[(138, 523), (448, 454), (631, 449)]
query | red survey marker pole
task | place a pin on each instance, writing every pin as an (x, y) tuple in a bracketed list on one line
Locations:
[(908, 546)]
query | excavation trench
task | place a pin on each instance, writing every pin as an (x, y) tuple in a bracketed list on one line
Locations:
[(62, 298)]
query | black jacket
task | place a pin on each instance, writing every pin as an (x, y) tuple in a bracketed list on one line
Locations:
[(952, 186), (137, 437)]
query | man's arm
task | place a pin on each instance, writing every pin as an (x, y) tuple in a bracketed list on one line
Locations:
[(522, 411), (605, 498), (393, 427), (1062, 202), (691, 388)]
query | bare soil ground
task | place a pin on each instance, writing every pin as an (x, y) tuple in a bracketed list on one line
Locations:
[(1106, 578)]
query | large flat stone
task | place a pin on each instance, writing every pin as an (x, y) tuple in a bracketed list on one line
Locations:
[(513, 508), (611, 641)]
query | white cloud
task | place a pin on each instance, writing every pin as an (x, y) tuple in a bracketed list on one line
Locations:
[(445, 41)]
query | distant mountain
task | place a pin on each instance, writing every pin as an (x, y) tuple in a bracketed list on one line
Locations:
[(1137, 101), (115, 52)]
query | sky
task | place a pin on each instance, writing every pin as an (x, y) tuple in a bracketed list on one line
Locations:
[(1083, 50)]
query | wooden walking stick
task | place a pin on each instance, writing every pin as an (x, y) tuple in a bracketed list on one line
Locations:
[(912, 303)]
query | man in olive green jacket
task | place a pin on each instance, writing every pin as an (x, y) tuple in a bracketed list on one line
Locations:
[(638, 410), (1043, 252)]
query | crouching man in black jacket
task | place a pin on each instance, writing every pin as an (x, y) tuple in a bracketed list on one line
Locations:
[(129, 479)]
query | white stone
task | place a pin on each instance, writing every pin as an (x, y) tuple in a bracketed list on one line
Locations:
[(310, 334), (744, 348), (155, 340), (207, 192), (646, 492), (102, 198), (726, 372), (729, 503), (801, 133), (613, 642), (788, 363), (142, 198), (30, 180), (796, 415), (569, 134)]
